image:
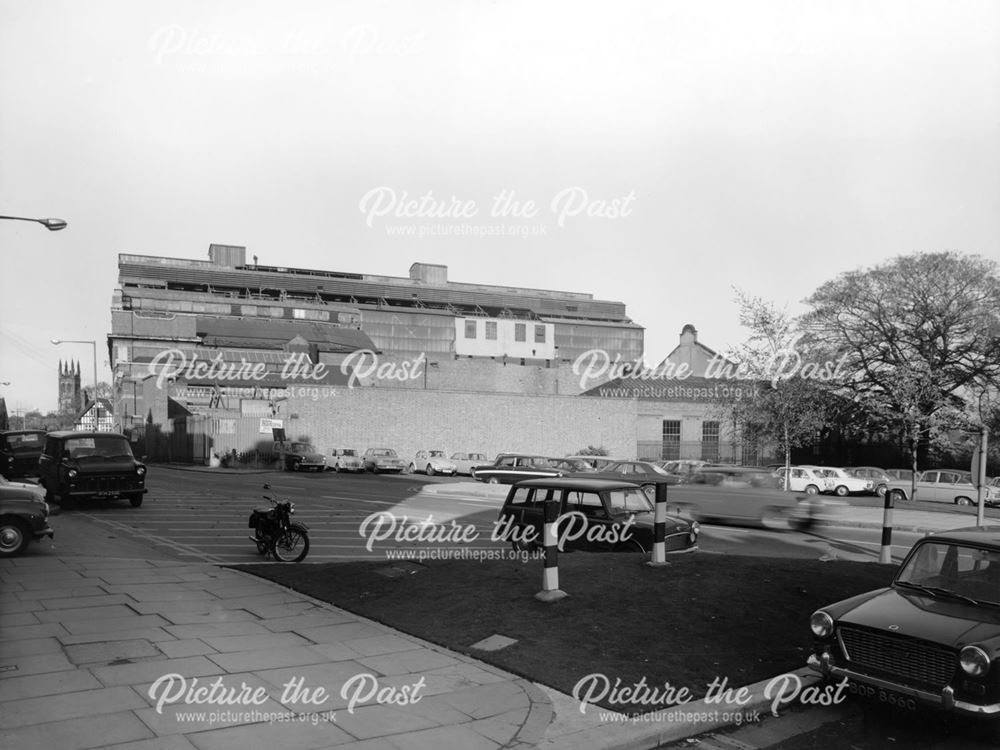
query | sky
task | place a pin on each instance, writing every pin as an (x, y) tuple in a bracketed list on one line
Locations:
[(655, 153)]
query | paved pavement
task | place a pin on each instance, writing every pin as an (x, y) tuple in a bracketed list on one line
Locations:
[(145, 652)]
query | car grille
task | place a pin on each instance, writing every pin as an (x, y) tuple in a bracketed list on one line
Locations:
[(906, 660), (106, 483)]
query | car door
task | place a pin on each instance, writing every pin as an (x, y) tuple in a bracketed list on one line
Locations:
[(926, 486), (946, 489), (587, 511)]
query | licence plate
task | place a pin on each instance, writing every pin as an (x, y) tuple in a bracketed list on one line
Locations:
[(107, 493), (889, 697)]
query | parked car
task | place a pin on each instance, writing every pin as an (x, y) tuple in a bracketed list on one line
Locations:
[(23, 516), (513, 467), (683, 468), (929, 639), (942, 486), (431, 463), (900, 473), (346, 459), (740, 503), (595, 515), (804, 479), (79, 465), (378, 460), (573, 465), (728, 475), (598, 462), (879, 478), (465, 463), (19, 453), (643, 473), (843, 484), (298, 456)]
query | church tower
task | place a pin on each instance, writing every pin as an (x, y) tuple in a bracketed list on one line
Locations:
[(70, 399)]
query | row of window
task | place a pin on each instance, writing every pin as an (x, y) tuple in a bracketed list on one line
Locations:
[(520, 331), (672, 431)]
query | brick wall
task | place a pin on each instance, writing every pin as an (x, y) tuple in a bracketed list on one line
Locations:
[(411, 420)]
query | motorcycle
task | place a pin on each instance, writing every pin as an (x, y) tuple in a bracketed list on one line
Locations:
[(275, 534)]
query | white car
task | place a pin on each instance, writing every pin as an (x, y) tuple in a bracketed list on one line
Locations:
[(346, 459), (431, 463), (944, 486), (805, 479), (466, 462), (844, 484)]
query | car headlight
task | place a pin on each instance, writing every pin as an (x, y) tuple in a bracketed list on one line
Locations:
[(821, 624), (72, 473), (974, 661), (140, 470)]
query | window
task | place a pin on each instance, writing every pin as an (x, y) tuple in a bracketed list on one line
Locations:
[(470, 329), (539, 334), (491, 330), (671, 439), (520, 332), (710, 441)]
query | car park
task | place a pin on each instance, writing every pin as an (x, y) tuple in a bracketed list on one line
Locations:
[(19, 452), (941, 486), (596, 515), (300, 456), (513, 467), (931, 638), (23, 516), (379, 460), (466, 463), (431, 463), (82, 465), (843, 484), (804, 479), (346, 459), (879, 478)]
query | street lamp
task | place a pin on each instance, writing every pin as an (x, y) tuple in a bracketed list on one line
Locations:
[(53, 225), (93, 344)]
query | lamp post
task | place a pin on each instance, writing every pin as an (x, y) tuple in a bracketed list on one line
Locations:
[(93, 344), (53, 225)]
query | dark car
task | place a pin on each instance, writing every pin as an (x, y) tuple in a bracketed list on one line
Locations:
[(878, 477), (931, 638), (513, 467), (643, 473), (23, 516), (78, 465), (595, 515), (19, 452), (296, 456)]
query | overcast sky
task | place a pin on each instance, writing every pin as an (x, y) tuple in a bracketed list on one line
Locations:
[(672, 149)]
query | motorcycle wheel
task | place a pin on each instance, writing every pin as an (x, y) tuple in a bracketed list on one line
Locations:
[(291, 545)]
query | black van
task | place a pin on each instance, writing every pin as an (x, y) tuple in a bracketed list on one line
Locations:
[(76, 465), (19, 452)]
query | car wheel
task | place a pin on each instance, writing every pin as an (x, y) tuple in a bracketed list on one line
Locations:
[(135, 500), (880, 490), (429, 470), (295, 465), (13, 537), (519, 544), (336, 468), (812, 489), (963, 501), (896, 496), (842, 491), (632, 545), (493, 480)]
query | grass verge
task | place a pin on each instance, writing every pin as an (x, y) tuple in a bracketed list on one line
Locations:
[(702, 618)]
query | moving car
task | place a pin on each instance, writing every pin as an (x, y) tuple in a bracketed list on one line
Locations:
[(19, 453), (431, 463), (296, 456), (595, 515), (377, 460), (465, 463), (79, 465), (346, 459), (23, 516), (879, 478), (843, 484), (728, 475), (740, 503), (513, 467), (931, 638), (942, 486)]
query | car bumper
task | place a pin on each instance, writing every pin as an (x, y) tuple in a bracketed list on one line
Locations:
[(45, 531), (945, 699)]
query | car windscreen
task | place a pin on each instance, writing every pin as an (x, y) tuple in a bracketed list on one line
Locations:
[(629, 501), (302, 448), (952, 570), (29, 442), (100, 447)]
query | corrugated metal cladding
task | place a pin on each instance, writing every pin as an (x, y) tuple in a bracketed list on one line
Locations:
[(312, 285), (255, 332)]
